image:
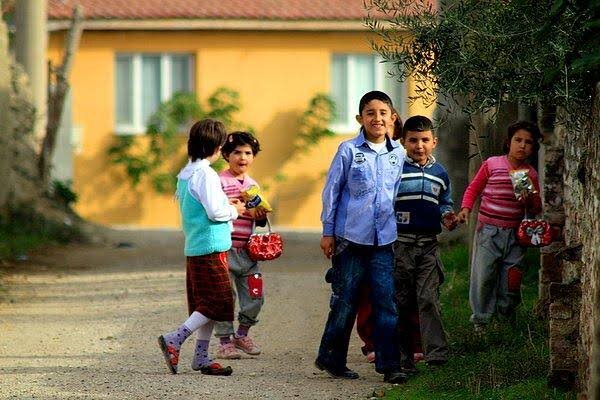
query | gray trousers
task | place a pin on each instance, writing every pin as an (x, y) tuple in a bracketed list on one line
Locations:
[(240, 268), (495, 252), (418, 274)]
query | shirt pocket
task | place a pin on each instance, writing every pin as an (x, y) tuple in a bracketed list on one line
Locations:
[(361, 181), (391, 176)]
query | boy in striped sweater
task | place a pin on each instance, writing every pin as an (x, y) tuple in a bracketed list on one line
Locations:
[(422, 205)]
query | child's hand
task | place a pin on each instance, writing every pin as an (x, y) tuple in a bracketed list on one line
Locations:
[(328, 245), (450, 221), (463, 215), (257, 213), (239, 205)]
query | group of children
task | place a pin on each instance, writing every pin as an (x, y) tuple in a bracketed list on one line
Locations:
[(384, 204), (383, 208)]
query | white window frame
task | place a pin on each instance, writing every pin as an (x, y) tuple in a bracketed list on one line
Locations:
[(350, 125), (138, 127)]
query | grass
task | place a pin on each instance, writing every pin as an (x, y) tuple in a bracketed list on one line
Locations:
[(505, 363)]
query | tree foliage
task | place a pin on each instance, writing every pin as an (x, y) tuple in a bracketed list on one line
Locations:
[(314, 122), (145, 156), (149, 156), (493, 51)]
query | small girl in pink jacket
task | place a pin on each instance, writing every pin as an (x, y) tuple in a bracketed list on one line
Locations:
[(496, 254)]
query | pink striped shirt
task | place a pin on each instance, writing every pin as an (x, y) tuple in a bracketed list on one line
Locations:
[(242, 226), (499, 206)]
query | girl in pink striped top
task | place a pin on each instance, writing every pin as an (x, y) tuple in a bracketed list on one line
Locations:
[(496, 254), (239, 151)]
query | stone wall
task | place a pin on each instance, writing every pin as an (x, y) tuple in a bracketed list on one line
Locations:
[(582, 232)]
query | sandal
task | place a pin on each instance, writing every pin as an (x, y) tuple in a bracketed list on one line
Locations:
[(216, 369), (171, 354)]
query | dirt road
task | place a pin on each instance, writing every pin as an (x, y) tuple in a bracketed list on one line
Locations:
[(81, 323)]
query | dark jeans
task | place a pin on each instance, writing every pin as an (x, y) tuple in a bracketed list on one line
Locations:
[(351, 264)]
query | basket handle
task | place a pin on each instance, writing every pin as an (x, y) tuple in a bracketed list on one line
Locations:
[(268, 225)]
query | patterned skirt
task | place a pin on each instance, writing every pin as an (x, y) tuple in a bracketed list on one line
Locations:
[(209, 287)]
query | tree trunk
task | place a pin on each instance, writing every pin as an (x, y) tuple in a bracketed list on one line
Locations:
[(551, 178), (56, 99)]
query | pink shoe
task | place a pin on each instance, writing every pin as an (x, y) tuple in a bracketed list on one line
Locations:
[(246, 344), (418, 357), (371, 357), (228, 351)]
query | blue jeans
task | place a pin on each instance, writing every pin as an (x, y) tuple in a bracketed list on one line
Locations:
[(351, 264)]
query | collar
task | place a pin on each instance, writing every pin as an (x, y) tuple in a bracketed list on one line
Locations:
[(428, 164), (360, 140)]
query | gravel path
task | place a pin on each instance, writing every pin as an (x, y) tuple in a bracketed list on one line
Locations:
[(81, 322)]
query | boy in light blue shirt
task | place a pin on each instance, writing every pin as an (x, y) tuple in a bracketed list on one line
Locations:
[(359, 229)]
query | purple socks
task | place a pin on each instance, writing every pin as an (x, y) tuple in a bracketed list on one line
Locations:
[(225, 339), (176, 338), (242, 331), (201, 357)]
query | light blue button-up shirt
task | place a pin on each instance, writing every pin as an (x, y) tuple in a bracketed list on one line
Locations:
[(358, 197)]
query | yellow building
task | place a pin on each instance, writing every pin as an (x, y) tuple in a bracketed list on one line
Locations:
[(129, 60)]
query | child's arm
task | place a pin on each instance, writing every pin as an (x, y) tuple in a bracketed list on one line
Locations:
[(334, 184), (449, 219), (205, 186), (472, 192)]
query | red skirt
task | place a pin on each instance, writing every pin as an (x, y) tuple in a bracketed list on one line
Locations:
[(208, 286)]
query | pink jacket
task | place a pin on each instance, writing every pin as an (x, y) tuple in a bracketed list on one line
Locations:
[(499, 206)]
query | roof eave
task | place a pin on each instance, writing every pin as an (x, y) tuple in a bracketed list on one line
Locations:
[(212, 24)]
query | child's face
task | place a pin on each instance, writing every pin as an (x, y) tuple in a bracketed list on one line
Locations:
[(521, 146), (419, 145), (376, 119), (240, 159)]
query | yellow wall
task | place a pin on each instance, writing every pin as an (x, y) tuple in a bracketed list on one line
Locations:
[(276, 74)]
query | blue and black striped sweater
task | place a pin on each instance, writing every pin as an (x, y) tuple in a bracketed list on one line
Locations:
[(424, 196)]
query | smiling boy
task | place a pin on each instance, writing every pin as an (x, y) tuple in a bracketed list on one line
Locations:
[(422, 205), (359, 230)]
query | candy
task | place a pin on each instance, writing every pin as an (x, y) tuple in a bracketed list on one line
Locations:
[(522, 183), (253, 198)]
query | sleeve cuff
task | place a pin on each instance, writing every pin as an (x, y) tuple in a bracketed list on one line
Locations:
[(328, 230)]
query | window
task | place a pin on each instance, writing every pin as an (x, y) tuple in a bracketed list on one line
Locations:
[(143, 81), (352, 75)]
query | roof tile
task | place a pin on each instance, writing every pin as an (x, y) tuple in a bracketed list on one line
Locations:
[(211, 9)]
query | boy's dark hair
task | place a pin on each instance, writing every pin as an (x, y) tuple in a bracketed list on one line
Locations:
[(374, 95), (398, 125), (239, 138), (418, 123), (206, 136), (526, 126)]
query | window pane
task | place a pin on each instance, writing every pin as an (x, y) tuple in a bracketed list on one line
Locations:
[(180, 73), (363, 76), (151, 84), (124, 90), (339, 87)]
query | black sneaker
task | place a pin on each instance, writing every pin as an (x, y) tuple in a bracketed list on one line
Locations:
[(342, 373), (395, 377)]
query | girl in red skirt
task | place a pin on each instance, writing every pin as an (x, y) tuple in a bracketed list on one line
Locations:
[(205, 214)]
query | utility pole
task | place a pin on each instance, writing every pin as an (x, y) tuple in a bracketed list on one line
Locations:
[(5, 120), (31, 39)]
